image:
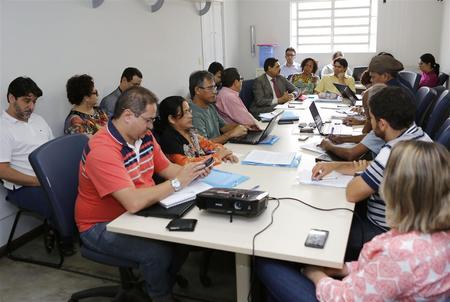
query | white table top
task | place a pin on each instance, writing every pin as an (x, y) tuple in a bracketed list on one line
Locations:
[(292, 221)]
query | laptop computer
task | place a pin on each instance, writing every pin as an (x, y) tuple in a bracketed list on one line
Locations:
[(255, 137), (346, 92), (357, 73), (158, 210), (335, 127)]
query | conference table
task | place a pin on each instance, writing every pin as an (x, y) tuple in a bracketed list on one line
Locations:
[(292, 221)]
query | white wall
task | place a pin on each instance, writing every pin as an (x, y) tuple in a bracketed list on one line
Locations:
[(50, 41), (444, 59), (231, 33), (407, 28)]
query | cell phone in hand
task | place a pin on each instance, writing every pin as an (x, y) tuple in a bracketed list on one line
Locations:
[(209, 162)]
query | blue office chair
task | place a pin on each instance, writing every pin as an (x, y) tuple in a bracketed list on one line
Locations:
[(425, 100), (246, 93), (442, 79), (412, 78), (443, 135), (439, 114), (56, 165)]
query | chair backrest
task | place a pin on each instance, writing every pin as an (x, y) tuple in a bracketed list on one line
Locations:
[(443, 135), (439, 114), (412, 78), (425, 97), (442, 78), (56, 164), (358, 71), (246, 93), (439, 90)]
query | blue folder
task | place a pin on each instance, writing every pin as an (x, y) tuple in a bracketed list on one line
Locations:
[(223, 179)]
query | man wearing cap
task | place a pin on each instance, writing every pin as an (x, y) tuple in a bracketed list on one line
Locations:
[(271, 89), (384, 69)]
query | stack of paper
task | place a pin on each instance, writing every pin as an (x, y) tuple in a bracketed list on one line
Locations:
[(286, 116), (186, 194), (334, 179), (268, 158)]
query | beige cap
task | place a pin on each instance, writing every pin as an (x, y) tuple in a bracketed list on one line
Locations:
[(384, 63)]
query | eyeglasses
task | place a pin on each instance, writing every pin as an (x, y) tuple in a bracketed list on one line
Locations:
[(94, 92), (148, 120), (210, 88)]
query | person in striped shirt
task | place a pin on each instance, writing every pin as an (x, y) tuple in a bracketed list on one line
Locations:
[(392, 113)]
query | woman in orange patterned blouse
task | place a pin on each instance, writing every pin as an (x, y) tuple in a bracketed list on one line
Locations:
[(180, 141), (307, 80), (85, 117)]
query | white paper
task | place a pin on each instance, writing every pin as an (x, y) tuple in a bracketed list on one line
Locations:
[(334, 179), (185, 194), (314, 147), (270, 158)]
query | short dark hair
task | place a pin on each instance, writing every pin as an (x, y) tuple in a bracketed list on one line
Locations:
[(23, 86), (269, 62), (196, 80), (230, 75), (130, 72), (136, 99), (305, 61), (78, 87), (394, 105), (341, 61), (289, 49), (215, 67)]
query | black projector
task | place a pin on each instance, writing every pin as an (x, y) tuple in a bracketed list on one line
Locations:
[(241, 202)]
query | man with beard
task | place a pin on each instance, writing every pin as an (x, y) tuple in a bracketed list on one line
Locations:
[(392, 114), (21, 132)]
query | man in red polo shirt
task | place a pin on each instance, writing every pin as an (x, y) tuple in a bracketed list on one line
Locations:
[(116, 172)]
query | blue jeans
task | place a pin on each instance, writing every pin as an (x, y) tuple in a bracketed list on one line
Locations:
[(284, 282), (158, 261), (31, 198)]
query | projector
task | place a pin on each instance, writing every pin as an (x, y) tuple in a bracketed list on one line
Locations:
[(241, 202)]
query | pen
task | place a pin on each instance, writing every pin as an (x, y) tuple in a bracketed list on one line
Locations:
[(255, 187), (331, 132)]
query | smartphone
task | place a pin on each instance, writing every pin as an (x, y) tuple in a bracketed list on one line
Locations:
[(209, 162), (303, 137), (281, 122), (316, 238), (182, 224)]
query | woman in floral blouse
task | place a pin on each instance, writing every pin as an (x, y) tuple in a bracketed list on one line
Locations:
[(180, 141), (85, 117), (307, 80), (411, 262)]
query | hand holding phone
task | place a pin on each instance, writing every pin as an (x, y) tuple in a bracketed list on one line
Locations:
[(209, 162)]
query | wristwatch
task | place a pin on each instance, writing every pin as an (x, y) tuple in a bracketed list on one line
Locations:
[(176, 184)]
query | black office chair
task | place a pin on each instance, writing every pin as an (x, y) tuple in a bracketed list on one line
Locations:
[(412, 78), (439, 90), (425, 99), (358, 71), (443, 135), (439, 114), (56, 165), (246, 93), (442, 79)]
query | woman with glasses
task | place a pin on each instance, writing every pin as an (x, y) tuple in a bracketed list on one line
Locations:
[(408, 263), (429, 69), (85, 117), (180, 141)]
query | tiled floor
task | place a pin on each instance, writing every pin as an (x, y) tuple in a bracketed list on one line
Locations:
[(21, 281)]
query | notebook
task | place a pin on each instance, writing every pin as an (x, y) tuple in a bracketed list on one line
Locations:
[(255, 137), (158, 210)]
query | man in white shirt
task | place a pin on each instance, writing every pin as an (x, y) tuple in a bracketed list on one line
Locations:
[(21, 132), (290, 67)]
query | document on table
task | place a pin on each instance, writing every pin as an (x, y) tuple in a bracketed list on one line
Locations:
[(259, 157), (314, 147), (185, 194), (334, 179)]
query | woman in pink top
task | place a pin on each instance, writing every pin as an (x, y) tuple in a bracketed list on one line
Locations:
[(411, 262), (430, 70)]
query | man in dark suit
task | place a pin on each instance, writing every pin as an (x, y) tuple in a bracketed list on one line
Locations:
[(271, 89)]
